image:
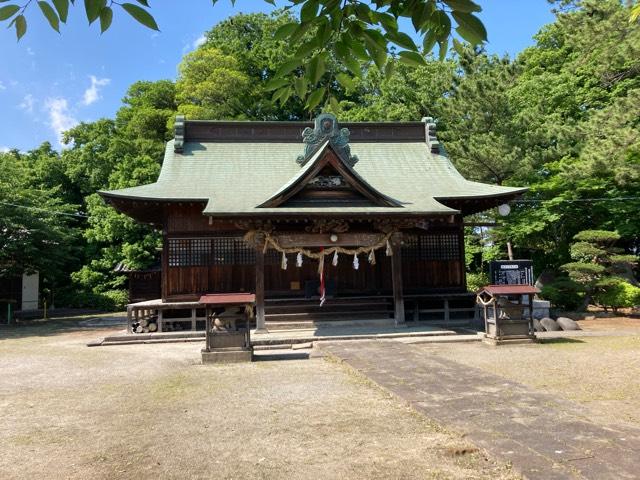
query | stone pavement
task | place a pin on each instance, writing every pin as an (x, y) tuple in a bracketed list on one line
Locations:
[(541, 436)]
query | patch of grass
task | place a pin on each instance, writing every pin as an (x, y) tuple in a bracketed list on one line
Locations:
[(172, 387)]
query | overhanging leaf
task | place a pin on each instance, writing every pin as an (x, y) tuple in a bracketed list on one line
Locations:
[(309, 10), (106, 17), (93, 8), (374, 39), (285, 30), (411, 58), (402, 39), (282, 95), (458, 47), (141, 15), (389, 69), (62, 7), (379, 56), (444, 47), (8, 11), (21, 26), (335, 106), (276, 83), (50, 14), (429, 40), (470, 27), (420, 16), (300, 85), (345, 80), (288, 66), (315, 98), (306, 48), (441, 24), (316, 68), (466, 6)]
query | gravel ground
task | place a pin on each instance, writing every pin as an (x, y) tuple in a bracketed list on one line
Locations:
[(601, 373), (152, 411)]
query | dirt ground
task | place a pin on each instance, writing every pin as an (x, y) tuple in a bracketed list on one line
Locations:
[(152, 411), (592, 323), (601, 373)]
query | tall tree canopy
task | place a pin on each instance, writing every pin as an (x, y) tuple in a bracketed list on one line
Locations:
[(354, 33)]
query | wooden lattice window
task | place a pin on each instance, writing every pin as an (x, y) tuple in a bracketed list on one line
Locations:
[(431, 246), (205, 251)]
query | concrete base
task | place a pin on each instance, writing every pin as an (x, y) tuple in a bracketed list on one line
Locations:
[(509, 341), (227, 356)]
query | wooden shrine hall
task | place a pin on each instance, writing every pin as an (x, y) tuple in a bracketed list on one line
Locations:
[(319, 220)]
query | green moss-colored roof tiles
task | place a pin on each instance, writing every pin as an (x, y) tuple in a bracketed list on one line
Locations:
[(235, 178)]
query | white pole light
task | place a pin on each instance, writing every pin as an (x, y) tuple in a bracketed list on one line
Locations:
[(504, 209)]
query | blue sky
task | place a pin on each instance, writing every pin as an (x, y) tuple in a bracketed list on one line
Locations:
[(50, 82)]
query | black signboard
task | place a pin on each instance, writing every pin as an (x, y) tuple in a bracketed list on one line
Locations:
[(511, 272)]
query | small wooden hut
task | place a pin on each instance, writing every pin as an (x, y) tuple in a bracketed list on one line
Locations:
[(361, 217)]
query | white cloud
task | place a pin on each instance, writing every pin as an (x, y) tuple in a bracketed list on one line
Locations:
[(27, 103), (30, 51), (199, 41), (2, 86), (4, 149), (91, 94), (60, 119)]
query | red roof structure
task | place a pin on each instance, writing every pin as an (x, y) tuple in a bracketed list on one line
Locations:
[(509, 290), (227, 298)]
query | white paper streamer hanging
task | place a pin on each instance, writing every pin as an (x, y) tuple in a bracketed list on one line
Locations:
[(299, 259), (334, 261), (372, 257), (389, 252), (356, 262), (283, 262)]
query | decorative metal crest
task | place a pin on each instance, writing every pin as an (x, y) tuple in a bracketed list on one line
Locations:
[(326, 127), (328, 181), (324, 225)]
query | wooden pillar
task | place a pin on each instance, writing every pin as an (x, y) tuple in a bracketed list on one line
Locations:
[(193, 319), (447, 315), (396, 277), (165, 267), (260, 323)]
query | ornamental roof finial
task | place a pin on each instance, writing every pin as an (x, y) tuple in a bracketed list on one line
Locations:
[(326, 128)]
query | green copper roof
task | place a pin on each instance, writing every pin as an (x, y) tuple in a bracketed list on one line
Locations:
[(234, 178)]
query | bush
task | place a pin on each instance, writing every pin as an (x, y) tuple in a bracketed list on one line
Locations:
[(109, 301), (563, 293), (475, 281), (617, 293)]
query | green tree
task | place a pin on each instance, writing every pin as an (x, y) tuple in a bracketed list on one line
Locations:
[(575, 100), (355, 33), (109, 154), (211, 85), (600, 267), (480, 132), (37, 227)]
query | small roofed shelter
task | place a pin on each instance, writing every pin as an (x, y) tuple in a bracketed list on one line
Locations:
[(292, 210), (508, 312)]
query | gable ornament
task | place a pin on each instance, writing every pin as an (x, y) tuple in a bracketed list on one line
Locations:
[(326, 128)]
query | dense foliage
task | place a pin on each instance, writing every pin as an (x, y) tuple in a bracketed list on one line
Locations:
[(603, 270), (345, 35), (562, 118)]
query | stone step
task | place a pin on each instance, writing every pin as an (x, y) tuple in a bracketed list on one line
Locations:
[(291, 325), (327, 307)]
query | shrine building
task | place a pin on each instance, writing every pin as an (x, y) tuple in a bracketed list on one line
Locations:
[(320, 220)]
